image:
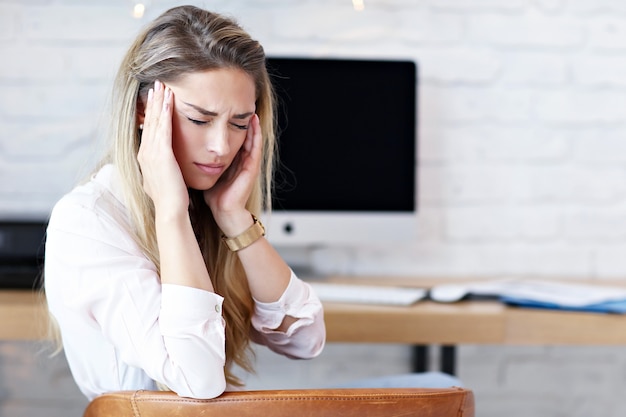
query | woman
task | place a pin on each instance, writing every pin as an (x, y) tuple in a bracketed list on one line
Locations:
[(157, 269)]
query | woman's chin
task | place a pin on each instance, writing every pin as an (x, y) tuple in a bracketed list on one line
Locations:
[(201, 185)]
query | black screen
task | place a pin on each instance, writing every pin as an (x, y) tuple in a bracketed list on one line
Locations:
[(347, 134)]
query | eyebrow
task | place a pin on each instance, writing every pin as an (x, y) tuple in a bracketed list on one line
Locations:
[(213, 114)]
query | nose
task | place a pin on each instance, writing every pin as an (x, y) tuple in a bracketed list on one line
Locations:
[(217, 140)]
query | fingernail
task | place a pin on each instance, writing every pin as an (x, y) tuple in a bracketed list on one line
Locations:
[(157, 85)]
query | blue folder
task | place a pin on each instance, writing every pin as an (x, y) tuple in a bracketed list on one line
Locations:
[(617, 307)]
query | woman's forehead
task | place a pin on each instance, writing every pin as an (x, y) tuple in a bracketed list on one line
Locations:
[(210, 91)]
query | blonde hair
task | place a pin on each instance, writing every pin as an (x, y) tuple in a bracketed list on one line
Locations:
[(183, 40)]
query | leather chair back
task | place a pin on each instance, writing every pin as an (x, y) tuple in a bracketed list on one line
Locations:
[(362, 402)]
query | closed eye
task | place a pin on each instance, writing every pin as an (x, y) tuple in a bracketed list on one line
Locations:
[(197, 122), (241, 127)]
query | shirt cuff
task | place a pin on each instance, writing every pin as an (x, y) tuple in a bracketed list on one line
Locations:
[(185, 308), (297, 301)]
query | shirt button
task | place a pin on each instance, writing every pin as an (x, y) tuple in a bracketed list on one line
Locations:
[(217, 308)]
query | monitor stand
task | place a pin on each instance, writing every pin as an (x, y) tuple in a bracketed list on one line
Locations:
[(316, 262)]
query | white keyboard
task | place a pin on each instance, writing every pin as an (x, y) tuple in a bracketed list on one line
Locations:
[(368, 294)]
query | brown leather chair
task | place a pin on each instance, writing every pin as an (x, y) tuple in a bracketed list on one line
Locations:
[(362, 402)]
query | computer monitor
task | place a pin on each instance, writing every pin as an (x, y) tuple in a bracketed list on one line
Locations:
[(347, 170)]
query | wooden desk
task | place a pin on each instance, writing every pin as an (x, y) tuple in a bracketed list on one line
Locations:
[(467, 322), (425, 323), (22, 315), (475, 322), (472, 322)]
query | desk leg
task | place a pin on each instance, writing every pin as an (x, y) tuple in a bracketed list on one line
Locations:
[(419, 358), (447, 359), (447, 362)]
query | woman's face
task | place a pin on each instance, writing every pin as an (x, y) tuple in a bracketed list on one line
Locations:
[(211, 115)]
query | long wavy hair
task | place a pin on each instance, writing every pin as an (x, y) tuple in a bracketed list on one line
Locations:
[(184, 40)]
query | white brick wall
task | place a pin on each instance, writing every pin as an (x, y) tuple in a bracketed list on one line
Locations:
[(522, 157)]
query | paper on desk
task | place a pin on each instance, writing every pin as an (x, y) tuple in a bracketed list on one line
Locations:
[(555, 294), (565, 294)]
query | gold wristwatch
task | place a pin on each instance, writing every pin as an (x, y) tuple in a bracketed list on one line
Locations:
[(248, 237)]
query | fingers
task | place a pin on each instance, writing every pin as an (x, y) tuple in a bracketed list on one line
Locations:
[(249, 156), (248, 143), (254, 138), (156, 156), (158, 112), (156, 137), (163, 181)]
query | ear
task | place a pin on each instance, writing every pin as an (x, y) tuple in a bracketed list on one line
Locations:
[(141, 110)]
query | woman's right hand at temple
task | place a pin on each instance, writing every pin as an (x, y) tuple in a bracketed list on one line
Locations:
[(162, 177)]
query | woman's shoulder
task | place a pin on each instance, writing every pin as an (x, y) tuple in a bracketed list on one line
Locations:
[(98, 199), (103, 183)]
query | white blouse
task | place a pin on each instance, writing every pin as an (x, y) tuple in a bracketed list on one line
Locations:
[(123, 330)]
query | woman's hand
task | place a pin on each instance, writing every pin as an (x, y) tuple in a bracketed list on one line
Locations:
[(228, 197), (162, 178)]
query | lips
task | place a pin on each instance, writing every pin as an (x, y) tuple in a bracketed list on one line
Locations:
[(210, 169)]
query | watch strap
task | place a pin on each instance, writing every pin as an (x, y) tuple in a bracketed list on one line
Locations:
[(248, 237)]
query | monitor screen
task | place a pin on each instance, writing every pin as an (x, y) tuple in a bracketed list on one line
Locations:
[(347, 146)]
